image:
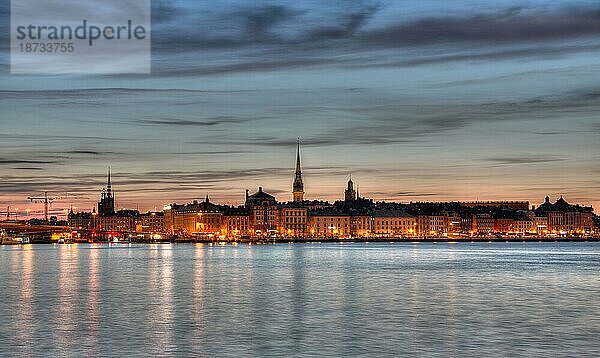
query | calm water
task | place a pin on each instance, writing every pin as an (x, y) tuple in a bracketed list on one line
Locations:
[(358, 299)]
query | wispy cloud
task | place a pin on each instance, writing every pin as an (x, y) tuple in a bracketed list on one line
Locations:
[(525, 159), (208, 122), (22, 161)]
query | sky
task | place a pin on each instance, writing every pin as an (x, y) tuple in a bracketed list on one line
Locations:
[(417, 100)]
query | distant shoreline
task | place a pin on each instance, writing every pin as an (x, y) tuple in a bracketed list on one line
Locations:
[(324, 241)]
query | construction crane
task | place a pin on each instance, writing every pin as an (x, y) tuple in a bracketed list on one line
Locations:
[(46, 200)]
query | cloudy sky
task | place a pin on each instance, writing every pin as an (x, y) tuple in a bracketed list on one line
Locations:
[(418, 100)]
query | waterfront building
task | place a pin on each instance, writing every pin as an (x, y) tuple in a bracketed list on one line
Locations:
[(437, 224), (393, 223), (540, 224), (564, 218), (504, 225), (466, 224), (452, 223), (200, 219), (209, 219), (329, 224), (169, 218), (185, 218), (82, 220), (483, 224), (264, 212), (523, 224), (293, 220), (422, 225), (236, 223), (361, 225), (123, 221), (149, 223)]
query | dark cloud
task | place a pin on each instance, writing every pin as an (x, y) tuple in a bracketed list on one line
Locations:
[(510, 25), (347, 25), (547, 51), (412, 124), (89, 152), (404, 194), (4, 25), (63, 138), (270, 37), (246, 66), (208, 122), (275, 37), (525, 159), (259, 22), (165, 10), (21, 161), (263, 24)]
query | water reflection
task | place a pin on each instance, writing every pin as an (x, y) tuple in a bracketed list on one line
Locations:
[(161, 308), (300, 300), (198, 298), (65, 333), (93, 318), (24, 329)]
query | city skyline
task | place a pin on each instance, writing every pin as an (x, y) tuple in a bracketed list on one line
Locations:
[(419, 101), (108, 204)]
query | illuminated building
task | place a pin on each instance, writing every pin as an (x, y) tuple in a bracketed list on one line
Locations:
[(198, 218), (123, 221), (483, 224), (523, 224), (452, 223), (329, 223), (236, 223), (504, 225), (564, 218), (361, 225), (393, 223), (264, 212), (151, 222), (82, 220), (293, 220), (436, 225)]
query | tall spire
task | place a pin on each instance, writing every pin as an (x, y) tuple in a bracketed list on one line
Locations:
[(298, 186), (298, 169), (109, 185)]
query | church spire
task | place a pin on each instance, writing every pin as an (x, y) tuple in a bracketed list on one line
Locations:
[(298, 169), (109, 185), (298, 186)]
